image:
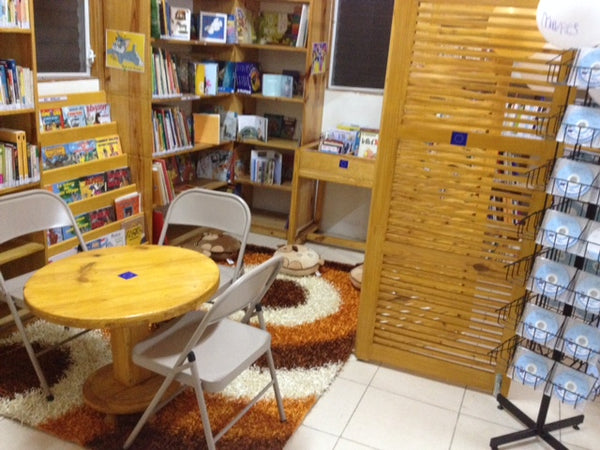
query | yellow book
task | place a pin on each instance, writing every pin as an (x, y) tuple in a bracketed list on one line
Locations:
[(199, 78), (207, 128)]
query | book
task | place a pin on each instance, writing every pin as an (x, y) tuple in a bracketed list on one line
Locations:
[(273, 27), (331, 146), (252, 127), (245, 27), (83, 223), (113, 239), (74, 116), (213, 27), (97, 113), (118, 178), (247, 78), (51, 119), (55, 156), (92, 185), (275, 125), (198, 73), (207, 128), (134, 229), (231, 33), (181, 23), (128, 205), (369, 143), (211, 77), (265, 166), (302, 27), (68, 190), (288, 128), (108, 146), (226, 77), (298, 87), (228, 126), (159, 188), (82, 151), (155, 19), (101, 217)]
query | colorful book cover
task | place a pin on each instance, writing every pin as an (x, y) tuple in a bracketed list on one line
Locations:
[(135, 230), (226, 77), (211, 78), (51, 119), (247, 78), (68, 190), (74, 116), (55, 156), (83, 223), (128, 205), (118, 178), (97, 113), (108, 146), (231, 33), (101, 217), (369, 142), (114, 239), (54, 236), (252, 127), (92, 185), (288, 128), (82, 151)]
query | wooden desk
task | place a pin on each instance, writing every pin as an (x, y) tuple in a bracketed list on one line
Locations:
[(124, 289)]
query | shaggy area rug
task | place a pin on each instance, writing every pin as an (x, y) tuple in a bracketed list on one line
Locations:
[(312, 321)]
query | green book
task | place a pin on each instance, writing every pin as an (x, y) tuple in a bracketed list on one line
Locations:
[(154, 20)]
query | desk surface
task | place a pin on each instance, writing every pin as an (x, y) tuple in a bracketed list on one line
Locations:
[(120, 286)]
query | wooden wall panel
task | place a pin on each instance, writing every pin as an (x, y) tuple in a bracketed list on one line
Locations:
[(468, 117)]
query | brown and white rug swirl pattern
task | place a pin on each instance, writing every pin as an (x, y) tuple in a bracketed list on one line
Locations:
[(312, 321)]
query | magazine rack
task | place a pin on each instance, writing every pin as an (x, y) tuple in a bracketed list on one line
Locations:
[(573, 245)]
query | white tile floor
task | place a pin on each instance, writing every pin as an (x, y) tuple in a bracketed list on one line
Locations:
[(373, 407)]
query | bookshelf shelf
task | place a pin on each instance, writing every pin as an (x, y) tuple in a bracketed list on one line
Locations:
[(133, 100)]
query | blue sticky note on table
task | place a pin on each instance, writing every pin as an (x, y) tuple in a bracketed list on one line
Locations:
[(459, 138), (343, 164), (128, 275)]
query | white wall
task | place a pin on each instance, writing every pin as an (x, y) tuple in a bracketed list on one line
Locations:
[(346, 209)]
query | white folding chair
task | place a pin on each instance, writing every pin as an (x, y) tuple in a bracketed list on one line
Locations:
[(213, 209), (21, 214), (207, 350)]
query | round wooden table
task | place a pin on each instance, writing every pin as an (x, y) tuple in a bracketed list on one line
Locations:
[(124, 289)]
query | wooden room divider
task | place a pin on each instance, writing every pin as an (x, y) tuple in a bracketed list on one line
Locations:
[(466, 142)]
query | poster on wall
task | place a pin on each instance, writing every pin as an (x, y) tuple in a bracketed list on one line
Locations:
[(319, 57), (125, 50)]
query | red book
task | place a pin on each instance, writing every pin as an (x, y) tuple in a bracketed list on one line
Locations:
[(128, 205)]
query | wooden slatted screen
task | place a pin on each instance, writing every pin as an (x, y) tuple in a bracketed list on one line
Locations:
[(467, 112)]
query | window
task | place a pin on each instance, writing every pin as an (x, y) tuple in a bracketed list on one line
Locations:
[(62, 38), (361, 39)]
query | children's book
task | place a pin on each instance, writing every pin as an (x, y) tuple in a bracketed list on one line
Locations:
[(128, 205), (92, 185), (369, 142), (97, 113), (247, 78), (207, 128), (82, 151), (74, 116), (118, 178), (51, 119), (226, 77), (288, 128), (108, 146), (55, 156), (114, 239), (252, 127), (134, 229), (275, 125), (68, 190), (181, 23), (102, 216), (83, 223), (211, 78)]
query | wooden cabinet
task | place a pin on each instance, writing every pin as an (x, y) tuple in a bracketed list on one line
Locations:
[(130, 93), (17, 44)]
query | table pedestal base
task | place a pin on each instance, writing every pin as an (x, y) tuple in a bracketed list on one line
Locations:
[(105, 394)]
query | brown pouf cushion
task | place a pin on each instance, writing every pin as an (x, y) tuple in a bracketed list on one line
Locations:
[(356, 276), (215, 244), (299, 260)]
